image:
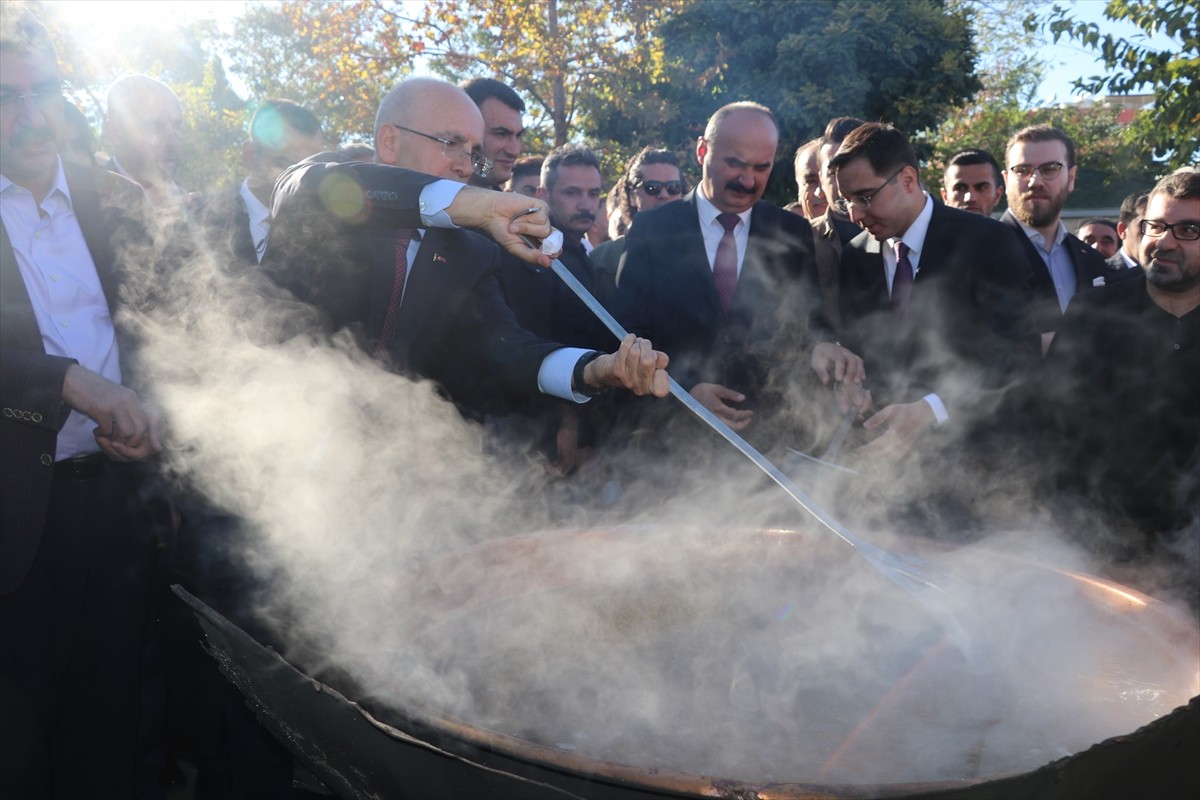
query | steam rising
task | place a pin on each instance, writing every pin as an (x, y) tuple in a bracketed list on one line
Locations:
[(669, 645)]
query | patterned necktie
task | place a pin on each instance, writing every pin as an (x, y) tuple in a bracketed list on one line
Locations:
[(403, 237), (902, 282), (725, 272)]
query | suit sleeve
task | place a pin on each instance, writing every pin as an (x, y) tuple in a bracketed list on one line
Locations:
[(31, 388)]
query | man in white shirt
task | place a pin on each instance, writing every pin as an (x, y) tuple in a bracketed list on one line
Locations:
[(144, 125), (74, 572), (237, 221)]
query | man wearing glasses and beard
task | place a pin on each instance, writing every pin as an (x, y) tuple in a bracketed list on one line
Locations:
[(1040, 175)]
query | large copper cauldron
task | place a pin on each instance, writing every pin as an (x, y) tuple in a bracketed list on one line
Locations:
[(637, 663)]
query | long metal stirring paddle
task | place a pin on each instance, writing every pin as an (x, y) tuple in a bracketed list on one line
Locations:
[(911, 574)]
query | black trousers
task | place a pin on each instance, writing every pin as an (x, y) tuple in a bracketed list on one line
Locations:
[(71, 646)]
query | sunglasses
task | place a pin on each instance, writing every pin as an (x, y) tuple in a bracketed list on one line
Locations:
[(653, 188)]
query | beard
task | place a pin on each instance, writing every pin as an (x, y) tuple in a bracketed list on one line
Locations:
[(1171, 274), (1039, 212)]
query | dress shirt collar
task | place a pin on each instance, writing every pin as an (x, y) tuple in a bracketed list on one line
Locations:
[(914, 237), (709, 212), (1039, 240), (58, 187), (260, 219)]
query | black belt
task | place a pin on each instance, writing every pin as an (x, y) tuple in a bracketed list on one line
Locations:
[(80, 468)]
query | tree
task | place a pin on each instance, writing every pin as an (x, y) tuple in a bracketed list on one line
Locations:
[(906, 62), (1169, 127), (212, 111), (567, 57), (336, 59)]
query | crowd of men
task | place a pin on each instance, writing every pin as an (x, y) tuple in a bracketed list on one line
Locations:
[(962, 344)]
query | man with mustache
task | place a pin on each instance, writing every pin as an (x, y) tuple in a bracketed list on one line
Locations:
[(1040, 175), (1119, 398), (74, 566), (729, 284)]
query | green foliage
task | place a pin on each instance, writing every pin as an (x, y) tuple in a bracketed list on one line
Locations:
[(908, 62), (1169, 128)]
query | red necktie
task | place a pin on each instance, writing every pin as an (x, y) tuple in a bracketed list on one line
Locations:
[(725, 272), (403, 237), (902, 282)]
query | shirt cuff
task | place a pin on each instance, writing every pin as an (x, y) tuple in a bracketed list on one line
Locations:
[(939, 408), (435, 198), (554, 376)]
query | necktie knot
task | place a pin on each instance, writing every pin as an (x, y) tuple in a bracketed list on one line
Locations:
[(901, 251), (728, 221)]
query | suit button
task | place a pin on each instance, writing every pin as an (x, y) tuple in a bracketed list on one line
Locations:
[(37, 417), (47, 459)]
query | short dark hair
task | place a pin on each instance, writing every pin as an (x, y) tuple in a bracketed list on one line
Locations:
[(528, 165), (1133, 206), (480, 89), (884, 146), (1182, 184), (22, 32), (838, 128), (291, 113), (569, 155), (974, 155), (1108, 223), (627, 183), (1042, 133)]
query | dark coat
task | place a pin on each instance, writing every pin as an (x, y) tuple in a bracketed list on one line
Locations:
[(108, 208), (455, 326), (967, 330)]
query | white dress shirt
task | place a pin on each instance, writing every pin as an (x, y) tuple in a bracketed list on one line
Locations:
[(914, 237), (713, 231), (1058, 262), (260, 220), (68, 300)]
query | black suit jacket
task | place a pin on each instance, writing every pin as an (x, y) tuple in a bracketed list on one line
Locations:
[(333, 245), (1089, 265), (667, 293), (225, 226), (967, 328), (108, 208)]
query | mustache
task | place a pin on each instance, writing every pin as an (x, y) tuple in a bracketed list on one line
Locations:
[(734, 186), (584, 216), (26, 136)]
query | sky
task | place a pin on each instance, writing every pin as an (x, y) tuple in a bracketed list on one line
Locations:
[(107, 18)]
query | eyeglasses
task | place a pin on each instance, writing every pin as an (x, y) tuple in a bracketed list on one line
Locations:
[(1048, 171), (653, 188), (1182, 231), (43, 96), (844, 205), (453, 150)]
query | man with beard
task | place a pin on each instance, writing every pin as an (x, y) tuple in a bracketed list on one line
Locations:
[(972, 182), (932, 296), (501, 108), (1040, 175), (729, 282), (1121, 384)]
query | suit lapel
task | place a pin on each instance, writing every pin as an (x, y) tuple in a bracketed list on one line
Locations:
[(19, 329), (427, 279)]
